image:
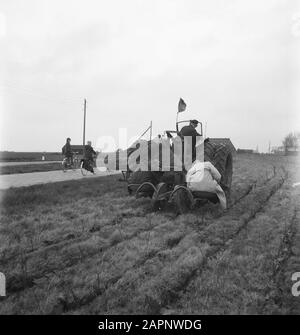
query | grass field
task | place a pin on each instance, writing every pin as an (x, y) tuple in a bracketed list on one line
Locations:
[(27, 168), (86, 247), (15, 156)]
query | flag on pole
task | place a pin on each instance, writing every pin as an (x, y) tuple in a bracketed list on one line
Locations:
[(181, 106)]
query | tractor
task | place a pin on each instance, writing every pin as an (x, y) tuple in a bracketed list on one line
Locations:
[(165, 187)]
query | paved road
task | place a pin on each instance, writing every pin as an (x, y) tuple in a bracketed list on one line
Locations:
[(27, 163), (35, 178)]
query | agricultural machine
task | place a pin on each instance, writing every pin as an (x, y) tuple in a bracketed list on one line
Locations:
[(165, 187)]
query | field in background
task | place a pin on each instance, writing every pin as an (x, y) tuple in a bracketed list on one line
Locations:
[(27, 168), (34, 157), (87, 247), (12, 156)]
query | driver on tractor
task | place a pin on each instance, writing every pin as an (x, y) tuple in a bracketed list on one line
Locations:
[(190, 130)]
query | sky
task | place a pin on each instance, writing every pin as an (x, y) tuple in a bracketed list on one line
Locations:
[(235, 63)]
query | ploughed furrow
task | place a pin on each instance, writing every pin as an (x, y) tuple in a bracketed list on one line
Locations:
[(28, 269), (245, 186), (241, 279), (69, 289), (161, 231), (32, 234), (198, 225), (157, 282), (10, 255), (285, 264), (115, 298), (247, 189), (107, 254), (100, 288)]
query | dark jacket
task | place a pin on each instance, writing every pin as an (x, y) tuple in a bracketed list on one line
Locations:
[(89, 152), (190, 131), (67, 150)]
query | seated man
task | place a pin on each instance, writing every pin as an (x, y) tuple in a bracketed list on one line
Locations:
[(203, 176), (67, 151), (190, 130)]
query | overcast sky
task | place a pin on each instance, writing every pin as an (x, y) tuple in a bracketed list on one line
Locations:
[(235, 63)]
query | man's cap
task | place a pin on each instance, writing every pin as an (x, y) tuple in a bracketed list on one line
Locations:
[(68, 139), (194, 121)]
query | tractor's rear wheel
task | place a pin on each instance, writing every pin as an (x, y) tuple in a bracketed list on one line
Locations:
[(223, 163), (209, 151), (221, 157)]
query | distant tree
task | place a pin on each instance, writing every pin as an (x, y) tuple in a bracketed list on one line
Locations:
[(291, 141)]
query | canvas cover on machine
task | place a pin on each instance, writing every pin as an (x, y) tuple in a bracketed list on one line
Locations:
[(203, 176), (131, 159)]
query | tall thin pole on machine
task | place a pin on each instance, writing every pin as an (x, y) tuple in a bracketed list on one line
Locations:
[(84, 118), (151, 130)]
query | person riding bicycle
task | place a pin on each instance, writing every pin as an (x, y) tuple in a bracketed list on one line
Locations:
[(67, 151), (89, 154)]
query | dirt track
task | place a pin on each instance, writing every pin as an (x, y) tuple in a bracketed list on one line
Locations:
[(35, 178)]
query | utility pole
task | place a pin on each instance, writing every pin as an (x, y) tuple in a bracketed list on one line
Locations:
[(151, 130), (84, 117)]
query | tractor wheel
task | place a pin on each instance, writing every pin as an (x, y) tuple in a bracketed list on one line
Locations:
[(182, 201), (209, 151), (223, 163), (221, 157)]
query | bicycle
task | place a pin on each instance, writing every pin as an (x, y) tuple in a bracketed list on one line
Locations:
[(86, 165), (68, 163)]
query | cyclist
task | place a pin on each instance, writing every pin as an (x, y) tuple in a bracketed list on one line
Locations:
[(67, 151), (89, 154)]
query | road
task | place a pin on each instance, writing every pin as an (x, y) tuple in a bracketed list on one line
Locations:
[(35, 178)]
